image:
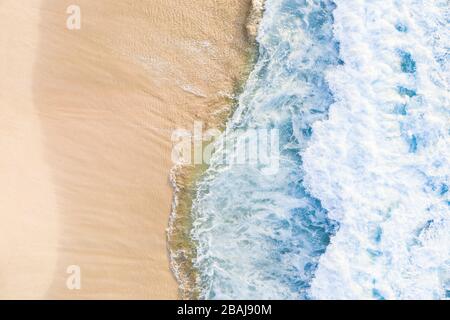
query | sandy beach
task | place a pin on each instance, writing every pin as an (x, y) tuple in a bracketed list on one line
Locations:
[(86, 118)]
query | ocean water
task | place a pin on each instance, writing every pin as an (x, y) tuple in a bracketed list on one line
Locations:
[(384, 167), (359, 207)]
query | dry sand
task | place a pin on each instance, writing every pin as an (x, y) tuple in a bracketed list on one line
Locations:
[(86, 118)]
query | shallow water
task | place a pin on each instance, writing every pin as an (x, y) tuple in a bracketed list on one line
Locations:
[(260, 236)]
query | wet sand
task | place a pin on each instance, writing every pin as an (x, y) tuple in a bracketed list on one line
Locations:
[(86, 122)]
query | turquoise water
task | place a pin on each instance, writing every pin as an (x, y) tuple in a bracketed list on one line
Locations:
[(358, 92), (261, 236)]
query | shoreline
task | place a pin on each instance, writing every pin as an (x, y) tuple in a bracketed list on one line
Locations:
[(106, 99), (184, 178)]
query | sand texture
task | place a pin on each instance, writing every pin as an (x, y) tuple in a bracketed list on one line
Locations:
[(86, 118)]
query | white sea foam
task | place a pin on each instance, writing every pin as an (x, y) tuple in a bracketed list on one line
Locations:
[(381, 163), (193, 90)]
